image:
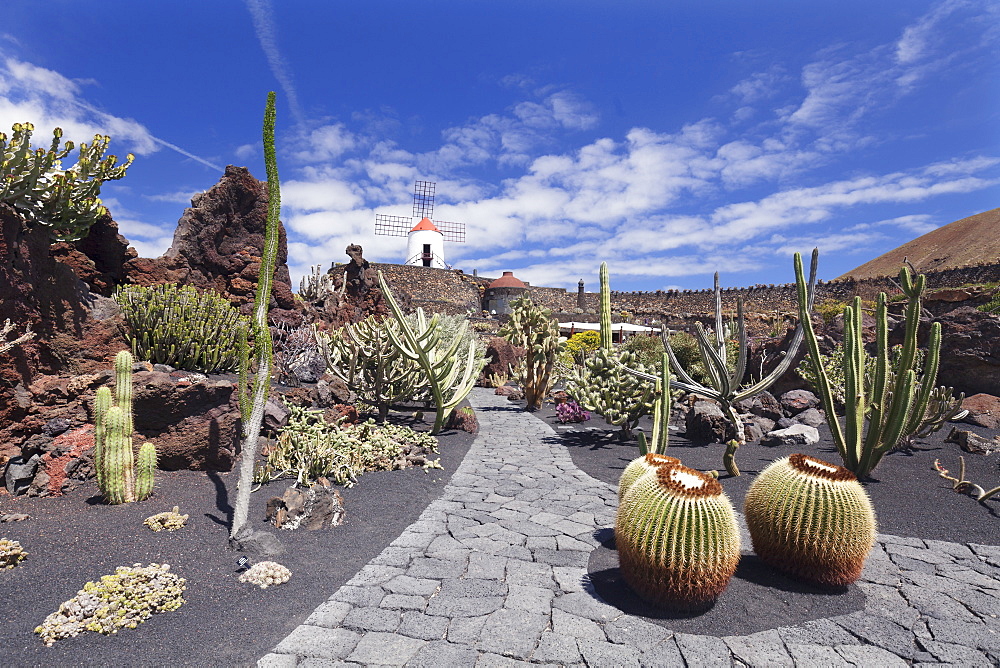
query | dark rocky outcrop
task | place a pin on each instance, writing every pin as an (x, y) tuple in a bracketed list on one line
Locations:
[(970, 351)]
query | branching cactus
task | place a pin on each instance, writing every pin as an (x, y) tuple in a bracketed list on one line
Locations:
[(450, 375), (723, 383), (363, 356), (531, 327), (66, 201), (6, 329), (892, 402), (114, 459)]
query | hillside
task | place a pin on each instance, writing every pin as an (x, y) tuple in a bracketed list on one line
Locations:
[(972, 240)]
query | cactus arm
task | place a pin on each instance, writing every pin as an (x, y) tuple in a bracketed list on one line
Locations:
[(145, 471), (718, 371), (123, 387), (102, 402), (606, 336), (744, 348), (880, 395), (117, 459), (854, 384), (262, 338), (661, 413)]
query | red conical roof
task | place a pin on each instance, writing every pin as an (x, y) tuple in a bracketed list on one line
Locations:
[(425, 224), (508, 280)]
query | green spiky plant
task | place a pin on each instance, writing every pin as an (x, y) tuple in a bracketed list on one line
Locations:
[(179, 326), (724, 384), (677, 537), (64, 201), (811, 519), (450, 376), (639, 466), (531, 327), (363, 356), (613, 382), (895, 402), (253, 398), (120, 477)]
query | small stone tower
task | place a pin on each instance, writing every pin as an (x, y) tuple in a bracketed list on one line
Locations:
[(425, 245), (502, 292)]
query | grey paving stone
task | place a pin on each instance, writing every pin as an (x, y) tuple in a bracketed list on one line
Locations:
[(424, 627), (816, 655), (372, 619), (444, 544), (532, 599), (569, 578), (761, 650), (888, 539), (565, 624), (385, 649), (473, 588), (465, 630), (393, 556), (541, 543), (490, 660), (361, 596), (569, 543), (486, 566), (429, 568), (887, 602), (869, 655), (463, 606), (663, 654), (529, 573), (988, 553), (562, 557), (876, 630), (512, 633), (969, 576), (402, 602), (918, 553), (584, 604), (329, 614), (962, 633), (556, 649), (636, 632), (935, 604), (404, 584), (413, 540), (956, 655), (316, 662), (601, 653), (908, 564), (273, 660), (442, 653), (317, 641), (956, 550), (703, 651)]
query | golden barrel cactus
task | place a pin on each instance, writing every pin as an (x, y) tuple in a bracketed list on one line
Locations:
[(811, 519), (677, 537), (638, 466)]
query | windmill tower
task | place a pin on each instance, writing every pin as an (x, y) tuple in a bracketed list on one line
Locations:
[(425, 240)]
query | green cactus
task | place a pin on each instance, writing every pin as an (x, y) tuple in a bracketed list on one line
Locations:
[(638, 466), (363, 356), (811, 519), (661, 413), (177, 325), (606, 334), (253, 396), (531, 327), (114, 459), (677, 537), (66, 201), (449, 376), (892, 402)]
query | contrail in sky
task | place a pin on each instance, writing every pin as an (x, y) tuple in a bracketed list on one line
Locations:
[(263, 23)]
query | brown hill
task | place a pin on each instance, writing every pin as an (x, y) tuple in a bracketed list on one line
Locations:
[(972, 240)]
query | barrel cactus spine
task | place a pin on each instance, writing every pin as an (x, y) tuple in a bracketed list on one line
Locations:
[(677, 537), (811, 519), (639, 466)]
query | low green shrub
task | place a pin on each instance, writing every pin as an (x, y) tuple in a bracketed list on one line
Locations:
[(648, 350), (579, 346)]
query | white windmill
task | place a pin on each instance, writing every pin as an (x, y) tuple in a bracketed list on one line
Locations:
[(425, 239)]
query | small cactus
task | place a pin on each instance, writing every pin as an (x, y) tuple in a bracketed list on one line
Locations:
[(638, 466), (677, 537), (811, 519)]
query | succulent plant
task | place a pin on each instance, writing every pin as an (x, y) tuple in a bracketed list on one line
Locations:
[(118, 478), (677, 537), (811, 519), (6, 329), (531, 327), (639, 466), (179, 326), (123, 600), (266, 573), (11, 553), (167, 521)]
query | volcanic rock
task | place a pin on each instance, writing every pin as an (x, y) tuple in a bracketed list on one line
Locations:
[(706, 423), (984, 410), (797, 434)]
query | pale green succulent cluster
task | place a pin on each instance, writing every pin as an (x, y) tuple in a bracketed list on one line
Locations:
[(65, 201), (182, 327), (11, 553), (605, 385), (266, 573), (531, 327), (167, 521), (309, 448), (123, 600)]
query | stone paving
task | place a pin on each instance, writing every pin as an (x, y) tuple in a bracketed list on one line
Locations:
[(492, 574)]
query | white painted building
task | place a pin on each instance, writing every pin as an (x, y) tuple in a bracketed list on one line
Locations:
[(425, 245)]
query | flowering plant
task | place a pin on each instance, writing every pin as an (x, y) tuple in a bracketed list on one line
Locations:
[(571, 411)]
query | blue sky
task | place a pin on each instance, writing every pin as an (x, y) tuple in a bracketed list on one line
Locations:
[(671, 139)]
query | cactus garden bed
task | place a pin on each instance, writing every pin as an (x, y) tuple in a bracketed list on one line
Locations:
[(78, 538)]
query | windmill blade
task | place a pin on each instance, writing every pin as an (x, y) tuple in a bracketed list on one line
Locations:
[(452, 231), (423, 199), (392, 226)]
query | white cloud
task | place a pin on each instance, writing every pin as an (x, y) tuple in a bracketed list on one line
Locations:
[(264, 26), (245, 151)]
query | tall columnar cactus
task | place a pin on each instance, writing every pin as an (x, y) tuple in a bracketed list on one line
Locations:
[(363, 356), (531, 327), (253, 399), (66, 201), (660, 437), (638, 467), (895, 402), (811, 519), (677, 537), (449, 376), (613, 382), (723, 383), (114, 459)]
